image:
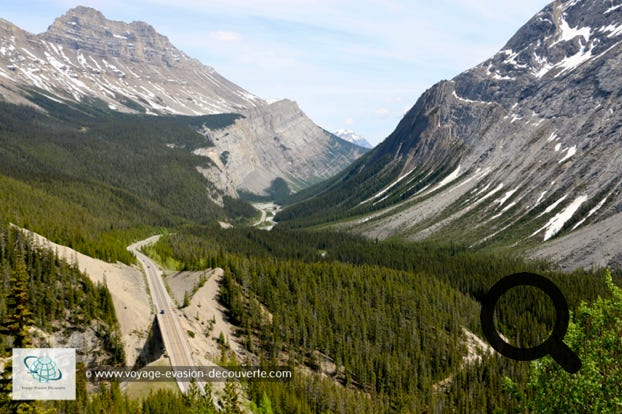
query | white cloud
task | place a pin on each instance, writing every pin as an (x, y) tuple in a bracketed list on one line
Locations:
[(349, 121), (225, 36), (382, 111), (391, 100)]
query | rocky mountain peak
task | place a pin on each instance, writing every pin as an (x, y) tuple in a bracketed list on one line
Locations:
[(84, 28), (553, 44), (82, 12), (350, 136), (129, 66)]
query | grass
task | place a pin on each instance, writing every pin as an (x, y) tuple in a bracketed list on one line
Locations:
[(168, 264)]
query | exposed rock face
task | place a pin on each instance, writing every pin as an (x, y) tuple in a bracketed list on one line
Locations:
[(129, 66), (217, 174), (285, 143), (521, 149)]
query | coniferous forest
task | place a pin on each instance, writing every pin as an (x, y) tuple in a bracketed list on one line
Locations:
[(89, 178), (390, 316)]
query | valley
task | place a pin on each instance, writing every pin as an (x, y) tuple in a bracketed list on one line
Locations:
[(155, 214)]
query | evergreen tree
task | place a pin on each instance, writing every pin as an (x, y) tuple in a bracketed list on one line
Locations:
[(230, 400), (200, 404), (265, 405), (19, 318)]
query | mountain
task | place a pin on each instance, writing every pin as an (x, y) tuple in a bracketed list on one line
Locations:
[(350, 136), (99, 120), (130, 67), (521, 150), (84, 59)]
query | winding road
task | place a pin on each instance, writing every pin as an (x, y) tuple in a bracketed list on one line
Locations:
[(175, 341)]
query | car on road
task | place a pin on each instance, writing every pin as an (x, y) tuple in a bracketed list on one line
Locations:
[(161, 311)]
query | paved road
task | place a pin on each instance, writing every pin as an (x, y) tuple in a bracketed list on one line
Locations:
[(262, 219), (175, 340), (266, 208)]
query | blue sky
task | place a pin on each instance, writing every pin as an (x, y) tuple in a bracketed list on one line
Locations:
[(354, 64)]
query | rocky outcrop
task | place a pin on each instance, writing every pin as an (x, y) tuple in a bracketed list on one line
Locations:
[(217, 173), (277, 141)]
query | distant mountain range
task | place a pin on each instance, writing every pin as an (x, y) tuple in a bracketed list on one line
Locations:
[(350, 136), (521, 151), (84, 59)]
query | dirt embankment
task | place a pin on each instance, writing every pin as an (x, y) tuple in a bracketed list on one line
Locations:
[(204, 319), (128, 290)]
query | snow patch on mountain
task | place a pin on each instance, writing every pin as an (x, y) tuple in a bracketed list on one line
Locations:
[(555, 224), (451, 177), (592, 211), (567, 33), (501, 201), (569, 153), (470, 100), (492, 192), (351, 136), (387, 188)]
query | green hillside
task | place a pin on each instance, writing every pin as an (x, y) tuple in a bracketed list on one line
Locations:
[(94, 179)]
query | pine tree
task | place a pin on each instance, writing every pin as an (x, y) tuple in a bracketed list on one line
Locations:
[(19, 318), (200, 404), (230, 401), (265, 405), (6, 387)]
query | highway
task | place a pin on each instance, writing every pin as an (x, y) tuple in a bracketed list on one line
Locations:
[(175, 340)]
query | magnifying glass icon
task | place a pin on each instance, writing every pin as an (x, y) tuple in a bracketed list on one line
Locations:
[(554, 345)]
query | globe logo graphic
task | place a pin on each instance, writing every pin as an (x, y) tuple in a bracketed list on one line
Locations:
[(42, 368)]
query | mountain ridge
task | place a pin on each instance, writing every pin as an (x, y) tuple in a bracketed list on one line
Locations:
[(131, 67), (516, 151)]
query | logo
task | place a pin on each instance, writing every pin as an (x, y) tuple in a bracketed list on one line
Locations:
[(43, 368), (553, 346), (44, 374)]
